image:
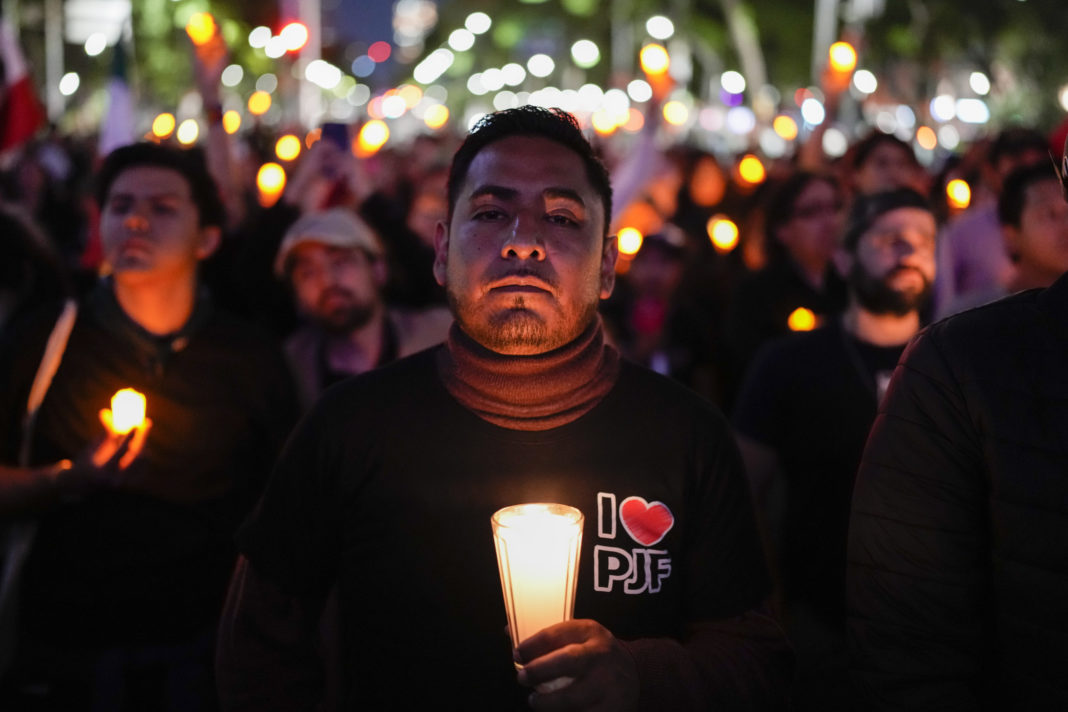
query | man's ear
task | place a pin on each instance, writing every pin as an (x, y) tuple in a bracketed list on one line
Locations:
[(843, 261), (1011, 235), (208, 242), (441, 251), (609, 256), (380, 271)]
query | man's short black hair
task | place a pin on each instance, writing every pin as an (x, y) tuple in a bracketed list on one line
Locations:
[(863, 148), (1014, 191), (869, 208), (189, 163), (553, 124), (1014, 140)]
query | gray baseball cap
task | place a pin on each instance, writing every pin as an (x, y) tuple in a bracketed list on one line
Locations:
[(336, 227)]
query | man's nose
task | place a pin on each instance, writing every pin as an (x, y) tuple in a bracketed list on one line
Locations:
[(524, 240), (135, 221)]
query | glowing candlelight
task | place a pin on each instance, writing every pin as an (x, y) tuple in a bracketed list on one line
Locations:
[(127, 411), (537, 553), (843, 57), (201, 28)]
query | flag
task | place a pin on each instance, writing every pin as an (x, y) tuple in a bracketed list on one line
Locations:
[(21, 113), (118, 127)]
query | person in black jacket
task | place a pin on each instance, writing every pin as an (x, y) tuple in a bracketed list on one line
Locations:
[(957, 583)]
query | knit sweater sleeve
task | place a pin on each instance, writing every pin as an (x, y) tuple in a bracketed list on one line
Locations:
[(739, 663)]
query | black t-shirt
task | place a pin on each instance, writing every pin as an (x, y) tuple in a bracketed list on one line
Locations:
[(388, 486), (147, 561), (812, 398), (762, 303)]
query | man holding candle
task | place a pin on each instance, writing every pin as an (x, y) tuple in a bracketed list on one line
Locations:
[(388, 487), (122, 588)]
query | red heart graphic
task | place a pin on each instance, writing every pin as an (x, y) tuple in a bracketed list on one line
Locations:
[(646, 522)]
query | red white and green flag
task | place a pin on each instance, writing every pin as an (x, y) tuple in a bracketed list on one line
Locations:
[(21, 113)]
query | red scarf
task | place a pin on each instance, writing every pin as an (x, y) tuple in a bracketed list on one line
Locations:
[(536, 392)]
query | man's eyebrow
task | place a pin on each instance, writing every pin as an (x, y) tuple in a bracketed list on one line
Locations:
[(171, 195), (564, 193), (494, 191)]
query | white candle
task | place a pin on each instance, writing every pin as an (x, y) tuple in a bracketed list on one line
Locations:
[(538, 553)]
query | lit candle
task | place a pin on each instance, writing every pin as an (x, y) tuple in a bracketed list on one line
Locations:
[(538, 553), (127, 411)]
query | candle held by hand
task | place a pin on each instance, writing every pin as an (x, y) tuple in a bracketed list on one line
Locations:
[(537, 554), (127, 411)]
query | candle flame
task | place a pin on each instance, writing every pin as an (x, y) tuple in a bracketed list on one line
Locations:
[(127, 410)]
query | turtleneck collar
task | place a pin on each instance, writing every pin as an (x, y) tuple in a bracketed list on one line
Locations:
[(530, 393)]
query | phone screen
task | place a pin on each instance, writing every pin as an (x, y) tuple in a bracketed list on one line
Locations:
[(336, 133)]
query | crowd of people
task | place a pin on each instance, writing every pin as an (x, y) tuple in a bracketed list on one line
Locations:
[(156, 267)]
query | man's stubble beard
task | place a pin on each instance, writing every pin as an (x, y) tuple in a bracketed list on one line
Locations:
[(517, 330), (877, 297), (345, 320)]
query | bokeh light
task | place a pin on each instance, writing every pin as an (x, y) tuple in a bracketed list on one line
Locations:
[(659, 27), (287, 147), (943, 108), (96, 43), (436, 116), (201, 28), (585, 54), (267, 82), (478, 22), (654, 59), (676, 113), (812, 111), (69, 83), (785, 127), (294, 36), (373, 136), (259, 37), (541, 65), (232, 75), (603, 122), (843, 57), (639, 90), (163, 125), (271, 182), (732, 81), (980, 83), (259, 103), (865, 81), (461, 40), (927, 138), (723, 233), (380, 51), (629, 240), (958, 194), (751, 170), (188, 132), (231, 121)]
